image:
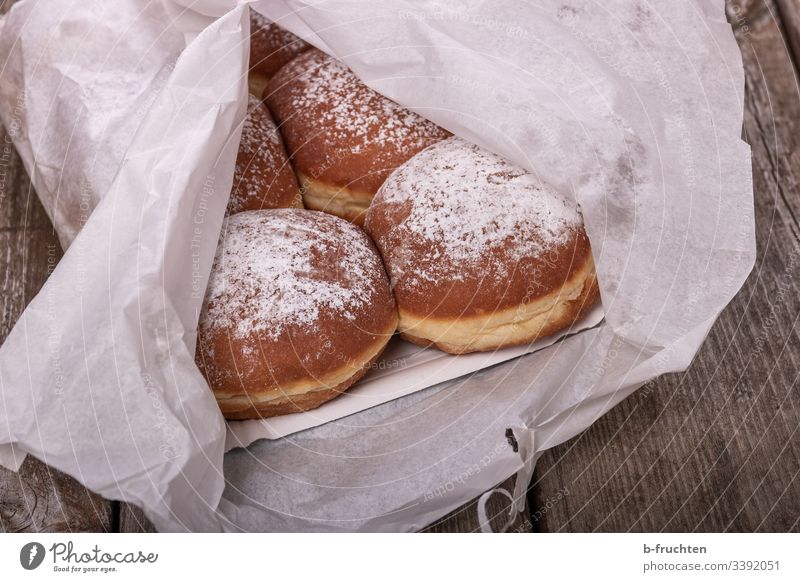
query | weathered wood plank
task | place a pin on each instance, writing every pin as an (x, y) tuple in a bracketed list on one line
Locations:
[(41, 499), (37, 498), (789, 11), (132, 519), (715, 448)]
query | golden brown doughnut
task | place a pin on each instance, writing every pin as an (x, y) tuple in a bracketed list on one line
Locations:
[(480, 254), (297, 308), (263, 176), (344, 139), (271, 47)]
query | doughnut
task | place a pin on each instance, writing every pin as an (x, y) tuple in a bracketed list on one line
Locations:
[(344, 139), (271, 47), (297, 309), (480, 254), (262, 176)]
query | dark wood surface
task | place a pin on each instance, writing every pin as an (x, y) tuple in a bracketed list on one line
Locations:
[(713, 449)]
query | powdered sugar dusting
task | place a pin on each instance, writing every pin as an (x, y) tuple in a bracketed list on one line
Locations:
[(258, 161), (354, 114), (472, 208), (257, 128), (280, 269)]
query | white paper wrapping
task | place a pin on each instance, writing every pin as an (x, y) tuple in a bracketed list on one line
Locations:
[(98, 376), (632, 107)]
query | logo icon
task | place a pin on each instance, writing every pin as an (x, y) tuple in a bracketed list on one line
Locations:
[(31, 555)]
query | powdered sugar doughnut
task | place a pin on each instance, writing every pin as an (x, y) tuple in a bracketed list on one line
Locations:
[(480, 253), (263, 176), (271, 47), (297, 308), (344, 138)]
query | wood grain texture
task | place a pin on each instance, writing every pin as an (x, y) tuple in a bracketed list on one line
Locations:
[(789, 15), (37, 498), (715, 448), (133, 520)]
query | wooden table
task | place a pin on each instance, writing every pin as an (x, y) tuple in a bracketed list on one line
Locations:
[(713, 449)]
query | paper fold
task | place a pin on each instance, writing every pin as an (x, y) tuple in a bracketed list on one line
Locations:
[(108, 344)]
